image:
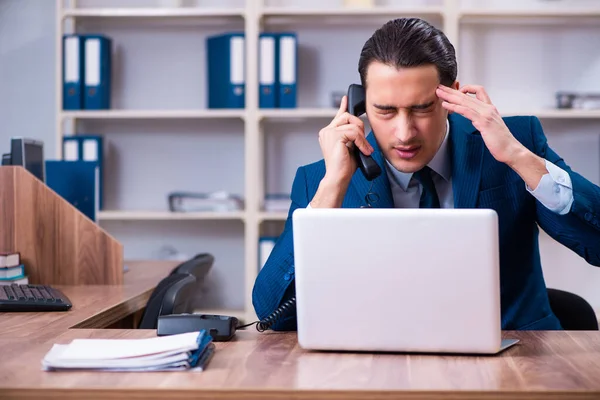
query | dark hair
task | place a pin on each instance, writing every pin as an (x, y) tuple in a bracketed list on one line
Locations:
[(409, 42)]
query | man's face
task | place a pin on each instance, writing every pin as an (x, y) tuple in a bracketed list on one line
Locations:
[(406, 116)]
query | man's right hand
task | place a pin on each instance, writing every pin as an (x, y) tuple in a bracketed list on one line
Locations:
[(337, 141)]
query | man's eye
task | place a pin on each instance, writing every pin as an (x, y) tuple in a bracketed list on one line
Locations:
[(424, 110)]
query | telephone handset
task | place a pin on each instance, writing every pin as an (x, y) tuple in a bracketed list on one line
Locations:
[(357, 107)]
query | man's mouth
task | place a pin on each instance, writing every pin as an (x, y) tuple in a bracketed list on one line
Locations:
[(407, 153)]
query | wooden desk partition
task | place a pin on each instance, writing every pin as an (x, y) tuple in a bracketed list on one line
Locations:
[(58, 244)]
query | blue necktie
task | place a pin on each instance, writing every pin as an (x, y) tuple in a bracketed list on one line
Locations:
[(429, 197)]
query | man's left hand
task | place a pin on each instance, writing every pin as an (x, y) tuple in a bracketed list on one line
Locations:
[(497, 137), (485, 118)]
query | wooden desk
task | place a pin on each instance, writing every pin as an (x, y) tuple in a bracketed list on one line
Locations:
[(271, 365), (94, 306)]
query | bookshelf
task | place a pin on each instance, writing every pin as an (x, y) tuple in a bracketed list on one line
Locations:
[(256, 134)]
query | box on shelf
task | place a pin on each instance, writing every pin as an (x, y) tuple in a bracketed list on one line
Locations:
[(207, 202), (277, 202)]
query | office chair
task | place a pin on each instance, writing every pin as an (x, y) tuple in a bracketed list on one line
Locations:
[(171, 296), (573, 312), (199, 266)]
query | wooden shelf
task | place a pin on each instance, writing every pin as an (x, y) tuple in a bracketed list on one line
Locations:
[(168, 215), (155, 12), (296, 113), (351, 11), (155, 114), (524, 13), (326, 113), (560, 114), (272, 216)]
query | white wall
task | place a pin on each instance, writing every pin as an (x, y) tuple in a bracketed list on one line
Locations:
[(521, 65), (27, 97)]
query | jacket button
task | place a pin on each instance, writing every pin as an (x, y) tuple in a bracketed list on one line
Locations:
[(291, 271), (588, 216), (287, 277)]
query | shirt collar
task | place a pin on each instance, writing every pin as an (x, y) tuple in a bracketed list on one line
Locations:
[(440, 164)]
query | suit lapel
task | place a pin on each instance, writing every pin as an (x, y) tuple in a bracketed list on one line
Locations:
[(466, 149), (381, 184)]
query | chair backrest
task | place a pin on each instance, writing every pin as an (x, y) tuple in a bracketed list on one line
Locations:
[(573, 311), (171, 296), (199, 266)]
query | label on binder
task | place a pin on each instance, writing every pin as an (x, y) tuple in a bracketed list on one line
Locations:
[(72, 59), (90, 150), (92, 62), (267, 61), (237, 60), (287, 61), (70, 150)]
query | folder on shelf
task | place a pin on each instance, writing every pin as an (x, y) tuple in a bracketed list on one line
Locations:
[(73, 72), (87, 148), (265, 246), (77, 182), (267, 70), (97, 81), (226, 70), (288, 67)]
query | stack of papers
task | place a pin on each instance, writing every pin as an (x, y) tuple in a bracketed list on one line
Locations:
[(185, 351)]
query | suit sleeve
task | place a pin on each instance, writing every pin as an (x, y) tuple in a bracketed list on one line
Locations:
[(274, 284), (579, 229)]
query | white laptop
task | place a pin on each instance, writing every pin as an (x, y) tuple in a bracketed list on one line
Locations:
[(399, 280)]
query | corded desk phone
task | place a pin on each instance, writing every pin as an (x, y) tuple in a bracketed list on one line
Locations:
[(222, 327)]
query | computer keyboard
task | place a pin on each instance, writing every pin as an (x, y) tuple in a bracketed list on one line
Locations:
[(17, 297)]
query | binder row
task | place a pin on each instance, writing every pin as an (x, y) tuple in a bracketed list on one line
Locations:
[(86, 72), (277, 70), (78, 177)]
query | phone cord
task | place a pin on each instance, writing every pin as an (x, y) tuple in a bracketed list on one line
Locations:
[(272, 319), (261, 326), (371, 198)]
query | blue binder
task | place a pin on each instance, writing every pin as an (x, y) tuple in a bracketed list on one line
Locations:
[(267, 70), (76, 182), (288, 67), (72, 72), (87, 148), (97, 82), (226, 70)]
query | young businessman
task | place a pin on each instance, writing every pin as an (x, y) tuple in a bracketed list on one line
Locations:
[(442, 145)]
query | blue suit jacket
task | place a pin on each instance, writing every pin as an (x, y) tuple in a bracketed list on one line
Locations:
[(478, 181)]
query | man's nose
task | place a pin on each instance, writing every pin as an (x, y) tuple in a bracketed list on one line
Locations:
[(405, 129)]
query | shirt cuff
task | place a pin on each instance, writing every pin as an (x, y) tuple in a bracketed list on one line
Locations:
[(555, 190), (308, 206)]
